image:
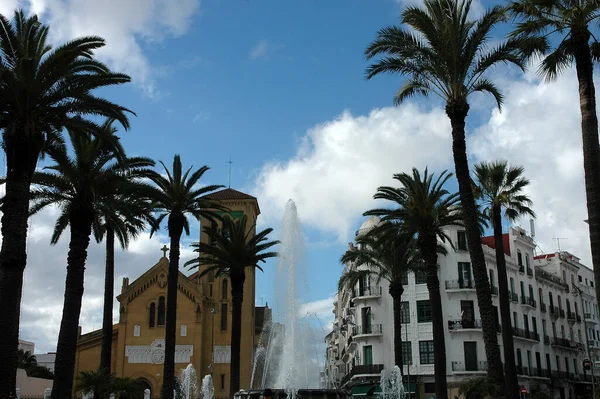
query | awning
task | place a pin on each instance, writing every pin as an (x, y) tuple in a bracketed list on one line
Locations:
[(366, 390)]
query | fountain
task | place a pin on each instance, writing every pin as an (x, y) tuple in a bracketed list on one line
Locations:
[(391, 384), (284, 364), (188, 383), (208, 390)]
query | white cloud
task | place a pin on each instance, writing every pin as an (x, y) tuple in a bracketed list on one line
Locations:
[(322, 309), (340, 163), (124, 24), (263, 50)]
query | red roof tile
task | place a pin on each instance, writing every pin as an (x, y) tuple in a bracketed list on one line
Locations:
[(491, 242), (229, 194)]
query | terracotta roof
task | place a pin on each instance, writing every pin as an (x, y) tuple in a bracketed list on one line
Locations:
[(229, 194), (490, 242), (546, 256)]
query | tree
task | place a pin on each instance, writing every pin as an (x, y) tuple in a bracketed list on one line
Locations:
[(450, 57), (101, 383), (42, 91), (78, 185), (500, 188), (174, 197), (388, 257), (234, 248), (425, 209), (478, 388), (26, 360), (561, 31), (124, 214)]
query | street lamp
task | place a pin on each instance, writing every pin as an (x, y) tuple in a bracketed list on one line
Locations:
[(579, 291)]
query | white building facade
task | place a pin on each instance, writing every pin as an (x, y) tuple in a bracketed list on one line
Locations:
[(554, 317)]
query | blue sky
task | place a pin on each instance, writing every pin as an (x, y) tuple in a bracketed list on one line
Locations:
[(279, 88)]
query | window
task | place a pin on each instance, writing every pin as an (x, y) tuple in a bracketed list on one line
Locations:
[(550, 299), (559, 303), (548, 364), (567, 364), (223, 317), (541, 294), (183, 331), (522, 289), (224, 289), (404, 312), (512, 285), (515, 320), (152, 315), (462, 240), (492, 281), (544, 331), (136, 330), (564, 277), (464, 275), (424, 311), (534, 324), (527, 260), (161, 311), (406, 353), (426, 352), (210, 290), (557, 363), (530, 291), (420, 277), (404, 278), (213, 226), (581, 279), (222, 382), (592, 283), (575, 366), (519, 258), (367, 355)]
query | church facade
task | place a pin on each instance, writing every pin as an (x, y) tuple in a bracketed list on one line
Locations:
[(203, 320)]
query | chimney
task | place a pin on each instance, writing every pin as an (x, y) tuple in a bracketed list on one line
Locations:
[(532, 227), (125, 284)]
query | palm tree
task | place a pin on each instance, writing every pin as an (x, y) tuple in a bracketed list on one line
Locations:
[(500, 187), (42, 91), (235, 248), (449, 57), (561, 30), (26, 360), (425, 209), (78, 185), (175, 197), (102, 383), (387, 257)]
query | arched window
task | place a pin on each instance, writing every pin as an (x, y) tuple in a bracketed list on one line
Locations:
[(224, 289), (152, 315), (161, 311)]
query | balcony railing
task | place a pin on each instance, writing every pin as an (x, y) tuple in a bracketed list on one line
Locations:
[(571, 316), (529, 271), (369, 291), (522, 269), (494, 290), (526, 334), (466, 367), (561, 313), (566, 343), (513, 297), (522, 370), (459, 284), (528, 301), (366, 329), (454, 325), (551, 277), (535, 372), (543, 307)]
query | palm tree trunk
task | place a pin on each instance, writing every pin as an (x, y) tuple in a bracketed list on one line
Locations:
[(64, 369), (591, 147), (21, 160), (237, 297), (429, 249), (457, 112), (396, 290), (512, 382), (109, 284), (175, 231)]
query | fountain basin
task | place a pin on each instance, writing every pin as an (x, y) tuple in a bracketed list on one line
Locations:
[(300, 394)]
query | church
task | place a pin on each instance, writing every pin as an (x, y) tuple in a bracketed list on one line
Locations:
[(203, 320)]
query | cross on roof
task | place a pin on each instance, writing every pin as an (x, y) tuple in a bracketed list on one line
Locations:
[(164, 249)]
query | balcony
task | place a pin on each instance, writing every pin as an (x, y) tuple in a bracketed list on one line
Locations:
[(578, 318), (462, 367), (535, 372), (571, 316), (543, 307), (593, 344), (566, 343), (513, 297), (528, 301), (561, 313), (458, 325), (589, 318), (367, 329), (525, 334), (522, 370), (529, 271), (367, 293), (494, 290), (522, 269), (546, 340), (455, 285)]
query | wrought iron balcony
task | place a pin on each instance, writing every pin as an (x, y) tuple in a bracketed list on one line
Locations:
[(528, 301), (543, 307), (366, 369), (513, 297), (522, 370), (494, 290), (561, 313), (529, 271), (571, 316), (368, 292), (455, 325), (525, 334), (566, 343), (366, 329), (459, 285), (467, 367)]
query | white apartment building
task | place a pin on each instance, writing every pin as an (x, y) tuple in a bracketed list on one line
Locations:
[(551, 327)]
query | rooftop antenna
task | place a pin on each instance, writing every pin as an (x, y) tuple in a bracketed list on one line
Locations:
[(229, 171), (558, 241)]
